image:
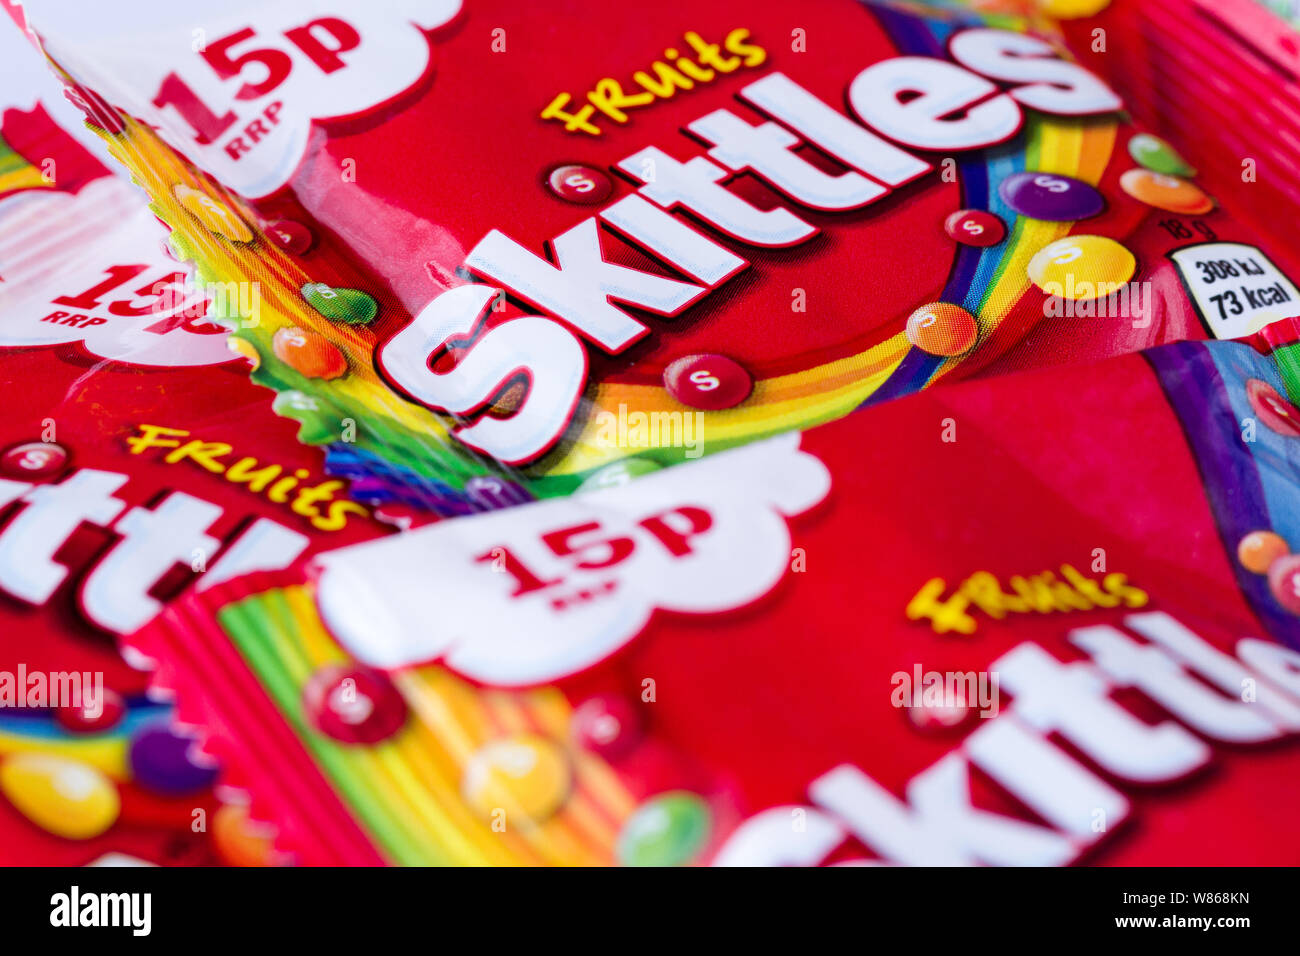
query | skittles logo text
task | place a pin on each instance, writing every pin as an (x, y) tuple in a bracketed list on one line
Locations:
[(923, 103), (56, 529), (1212, 697)]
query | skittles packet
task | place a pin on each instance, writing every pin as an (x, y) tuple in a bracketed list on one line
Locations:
[(828, 647), (506, 254), (135, 460)]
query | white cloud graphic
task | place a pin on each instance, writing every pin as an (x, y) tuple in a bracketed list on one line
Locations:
[(175, 54), (430, 594), (55, 244)]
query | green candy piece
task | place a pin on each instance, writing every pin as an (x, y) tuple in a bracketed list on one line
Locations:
[(1158, 156), (1288, 362), (668, 830), (343, 305), (619, 473), (319, 423)]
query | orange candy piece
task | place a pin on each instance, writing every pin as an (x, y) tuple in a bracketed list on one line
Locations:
[(308, 353), (1258, 550), (1165, 192), (942, 328), (239, 841)]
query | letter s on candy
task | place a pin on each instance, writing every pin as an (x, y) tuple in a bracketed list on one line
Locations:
[(556, 368)]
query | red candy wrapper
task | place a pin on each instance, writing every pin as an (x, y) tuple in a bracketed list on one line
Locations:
[(489, 255), (135, 460), (504, 254), (830, 647)]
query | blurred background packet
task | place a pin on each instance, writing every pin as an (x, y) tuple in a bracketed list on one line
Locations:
[(748, 659)]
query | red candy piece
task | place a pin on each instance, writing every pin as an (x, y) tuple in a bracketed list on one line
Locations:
[(80, 720), (975, 227), (307, 353), (606, 725), (580, 184), (1272, 408), (33, 459), (938, 717), (354, 704), (1284, 582), (292, 237), (710, 382)]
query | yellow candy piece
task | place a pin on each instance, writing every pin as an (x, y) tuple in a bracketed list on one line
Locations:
[(525, 776), (1082, 267), (63, 797), (1072, 9), (214, 216)]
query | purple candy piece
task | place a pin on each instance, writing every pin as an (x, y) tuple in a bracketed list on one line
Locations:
[(160, 762), (1051, 196)]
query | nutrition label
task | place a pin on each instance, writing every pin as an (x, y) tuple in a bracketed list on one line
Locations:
[(1236, 288)]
